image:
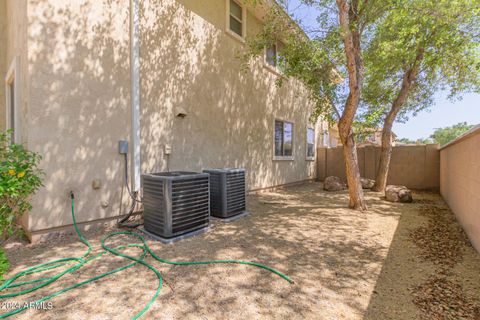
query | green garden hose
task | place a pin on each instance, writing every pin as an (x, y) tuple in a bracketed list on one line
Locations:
[(84, 259)]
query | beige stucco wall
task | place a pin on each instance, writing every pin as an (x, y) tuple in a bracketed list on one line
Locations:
[(16, 34), (460, 182), (78, 106), (189, 61), (79, 101), (415, 167)]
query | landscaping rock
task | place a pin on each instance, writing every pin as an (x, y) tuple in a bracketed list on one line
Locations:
[(367, 183), (398, 194), (334, 184)]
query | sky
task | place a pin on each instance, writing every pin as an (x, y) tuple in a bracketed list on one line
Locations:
[(443, 113)]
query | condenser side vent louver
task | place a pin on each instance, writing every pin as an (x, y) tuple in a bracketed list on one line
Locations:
[(227, 192), (175, 203)]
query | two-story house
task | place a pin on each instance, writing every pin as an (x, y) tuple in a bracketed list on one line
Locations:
[(162, 74)]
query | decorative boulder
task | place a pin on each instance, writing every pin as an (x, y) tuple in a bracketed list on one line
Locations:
[(398, 194), (334, 184), (367, 183)]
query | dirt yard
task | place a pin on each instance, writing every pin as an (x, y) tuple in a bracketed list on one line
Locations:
[(396, 261)]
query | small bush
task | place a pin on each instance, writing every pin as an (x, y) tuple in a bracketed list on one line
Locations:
[(4, 264), (20, 178)]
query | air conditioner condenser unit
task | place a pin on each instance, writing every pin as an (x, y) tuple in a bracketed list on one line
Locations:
[(227, 192), (175, 203)]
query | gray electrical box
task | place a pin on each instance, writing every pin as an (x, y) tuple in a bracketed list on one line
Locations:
[(123, 147)]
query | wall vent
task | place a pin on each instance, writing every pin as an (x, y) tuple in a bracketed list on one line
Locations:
[(227, 192), (175, 203)]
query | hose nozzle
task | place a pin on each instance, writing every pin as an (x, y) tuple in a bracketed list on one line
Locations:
[(72, 196)]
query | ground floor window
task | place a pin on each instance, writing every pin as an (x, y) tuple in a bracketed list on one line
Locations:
[(11, 103), (283, 139), (310, 144)]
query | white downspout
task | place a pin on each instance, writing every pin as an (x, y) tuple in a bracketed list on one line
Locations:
[(135, 92)]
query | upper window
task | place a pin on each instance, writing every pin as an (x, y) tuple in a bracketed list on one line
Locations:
[(283, 139), (310, 143), (273, 56), (236, 18)]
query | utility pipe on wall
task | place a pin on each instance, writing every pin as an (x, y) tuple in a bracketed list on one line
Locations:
[(135, 92)]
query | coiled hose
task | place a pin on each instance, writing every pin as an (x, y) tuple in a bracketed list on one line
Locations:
[(87, 257)]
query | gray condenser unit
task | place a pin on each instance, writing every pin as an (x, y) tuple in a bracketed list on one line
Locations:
[(175, 203), (227, 192)]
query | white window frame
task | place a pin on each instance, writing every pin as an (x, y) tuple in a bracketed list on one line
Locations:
[(13, 77), (275, 69), (314, 144), (284, 158), (244, 21), (326, 139)]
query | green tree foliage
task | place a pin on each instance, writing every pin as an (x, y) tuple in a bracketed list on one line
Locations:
[(304, 59), (418, 141), (443, 136), (4, 264), (436, 40), (319, 62), (20, 177)]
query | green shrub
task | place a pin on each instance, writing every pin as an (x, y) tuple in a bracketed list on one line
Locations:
[(4, 264), (20, 178)]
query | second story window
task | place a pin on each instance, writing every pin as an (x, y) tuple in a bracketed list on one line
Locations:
[(271, 56), (274, 58), (236, 18)]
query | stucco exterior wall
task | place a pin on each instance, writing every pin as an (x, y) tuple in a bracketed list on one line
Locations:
[(16, 35), (415, 167), (460, 182), (189, 61), (79, 102), (79, 106)]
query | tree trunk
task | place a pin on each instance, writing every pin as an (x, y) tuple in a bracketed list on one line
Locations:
[(385, 155), (409, 78), (349, 19), (355, 189)]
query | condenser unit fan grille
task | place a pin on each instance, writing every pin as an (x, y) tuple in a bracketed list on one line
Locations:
[(227, 192), (190, 200), (235, 192), (175, 203)]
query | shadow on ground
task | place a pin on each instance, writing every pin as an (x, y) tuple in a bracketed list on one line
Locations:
[(431, 270), (338, 259)]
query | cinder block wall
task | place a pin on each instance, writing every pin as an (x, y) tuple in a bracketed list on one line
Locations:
[(416, 167), (460, 181)]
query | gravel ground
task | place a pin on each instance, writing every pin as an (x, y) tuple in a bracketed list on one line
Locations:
[(387, 263)]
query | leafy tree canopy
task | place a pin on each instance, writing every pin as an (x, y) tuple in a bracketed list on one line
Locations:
[(440, 37), (318, 61), (443, 136), (411, 141)]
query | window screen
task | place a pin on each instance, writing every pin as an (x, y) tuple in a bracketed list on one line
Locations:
[(271, 57), (11, 109), (310, 142), (283, 139), (236, 18)]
